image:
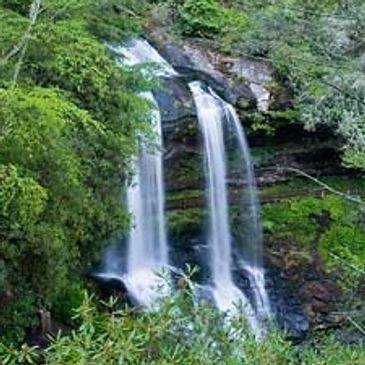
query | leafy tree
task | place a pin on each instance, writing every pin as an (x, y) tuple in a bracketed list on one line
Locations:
[(70, 120), (316, 46)]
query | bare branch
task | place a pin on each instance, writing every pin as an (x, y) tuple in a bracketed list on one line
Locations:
[(318, 182), (353, 267), (354, 323), (122, 9), (33, 14), (59, 12)]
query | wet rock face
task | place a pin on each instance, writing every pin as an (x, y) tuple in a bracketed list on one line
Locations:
[(241, 81), (257, 74), (291, 147), (315, 290), (320, 297), (175, 102), (286, 305), (194, 64)]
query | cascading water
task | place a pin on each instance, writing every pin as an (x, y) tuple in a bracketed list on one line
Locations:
[(139, 51), (251, 240), (211, 115), (147, 244)]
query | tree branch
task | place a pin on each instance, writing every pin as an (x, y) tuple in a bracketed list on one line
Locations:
[(353, 267), (342, 91), (59, 12), (318, 182), (33, 14), (353, 322)]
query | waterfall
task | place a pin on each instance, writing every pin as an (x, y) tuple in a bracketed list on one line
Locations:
[(147, 243), (211, 115), (139, 51), (147, 253), (251, 242)]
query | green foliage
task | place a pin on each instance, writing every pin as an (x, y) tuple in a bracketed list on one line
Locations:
[(18, 313), (205, 18), (331, 224), (347, 243), (69, 298), (201, 16), (178, 333), (22, 201), (69, 125), (12, 26), (110, 22), (20, 6), (64, 55), (316, 47), (24, 356), (185, 221), (269, 122), (54, 143)]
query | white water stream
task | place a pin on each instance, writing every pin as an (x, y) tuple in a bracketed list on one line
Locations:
[(147, 253), (211, 115)]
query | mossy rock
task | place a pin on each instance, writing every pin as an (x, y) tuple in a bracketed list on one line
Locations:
[(185, 222)]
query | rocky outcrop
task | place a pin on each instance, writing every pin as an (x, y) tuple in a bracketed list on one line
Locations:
[(276, 157), (245, 83), (314, 288), (176, 104), (239, 80)]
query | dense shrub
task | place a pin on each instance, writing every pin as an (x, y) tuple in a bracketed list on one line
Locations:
[(178, 333), (208, 19), (201, 16), (69, 125), (329, 227)]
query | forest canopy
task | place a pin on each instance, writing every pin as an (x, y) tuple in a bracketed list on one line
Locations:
[(69, 121)]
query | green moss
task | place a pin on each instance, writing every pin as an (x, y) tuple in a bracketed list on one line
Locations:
[(185, 171), (295, 219), (185, 222), (184, 195), (189, 130), (330, 223), (263, 154), (353, 186)]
